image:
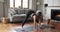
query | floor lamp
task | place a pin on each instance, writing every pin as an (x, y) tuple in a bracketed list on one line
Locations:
[(37, 4)]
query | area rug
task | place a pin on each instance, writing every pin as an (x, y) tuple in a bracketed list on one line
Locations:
[(20, 29), (25, 28)]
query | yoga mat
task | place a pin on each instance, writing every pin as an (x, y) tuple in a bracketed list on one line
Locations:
[(24, 29)]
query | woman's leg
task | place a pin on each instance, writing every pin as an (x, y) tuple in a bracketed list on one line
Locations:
[(27, 16), (34, 20), (25, 19), (40, 20)]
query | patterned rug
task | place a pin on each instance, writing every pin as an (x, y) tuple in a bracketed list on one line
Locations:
[(25, 28), (20, 29)]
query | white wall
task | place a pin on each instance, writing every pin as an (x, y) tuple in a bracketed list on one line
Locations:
[(1, 9), (32, 4), (4, 8), (40, 6), (1, 0), (53, 2), (6, 5)]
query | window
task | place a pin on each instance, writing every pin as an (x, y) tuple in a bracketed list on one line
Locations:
[(11, 3), (25, 3), (20, 3), (17, 3)]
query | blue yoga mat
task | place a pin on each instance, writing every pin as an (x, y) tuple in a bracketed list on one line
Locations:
[(26, 28)]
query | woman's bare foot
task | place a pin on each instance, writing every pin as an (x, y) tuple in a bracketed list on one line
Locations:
[(22, 29)]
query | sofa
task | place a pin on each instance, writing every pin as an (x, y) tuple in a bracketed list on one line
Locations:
[(17, 14)]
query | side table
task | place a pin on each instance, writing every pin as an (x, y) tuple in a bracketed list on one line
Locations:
[(5, 20)]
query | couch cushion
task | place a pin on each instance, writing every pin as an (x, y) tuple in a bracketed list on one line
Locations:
[(12, 11), (19, 11), (21, 15)]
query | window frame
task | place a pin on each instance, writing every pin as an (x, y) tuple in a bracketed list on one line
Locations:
[(27, 4), (22, 4)]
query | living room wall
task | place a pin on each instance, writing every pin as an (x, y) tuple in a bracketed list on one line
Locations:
[(32, 4), (4, 5), (1, 9)]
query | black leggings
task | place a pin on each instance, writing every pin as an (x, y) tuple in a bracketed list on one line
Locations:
[(27, 16)]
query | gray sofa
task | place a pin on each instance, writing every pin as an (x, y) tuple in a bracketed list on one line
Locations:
[(18, 14)]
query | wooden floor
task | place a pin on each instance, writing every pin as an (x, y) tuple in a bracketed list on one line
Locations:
[(5, 27)]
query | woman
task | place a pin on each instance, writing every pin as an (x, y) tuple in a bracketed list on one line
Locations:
[(36, 16)]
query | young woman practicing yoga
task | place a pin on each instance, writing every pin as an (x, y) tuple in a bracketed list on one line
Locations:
[(37, 17)]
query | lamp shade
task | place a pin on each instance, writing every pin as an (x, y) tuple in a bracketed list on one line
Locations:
[(38, 3)]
